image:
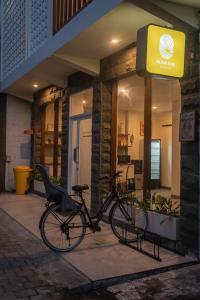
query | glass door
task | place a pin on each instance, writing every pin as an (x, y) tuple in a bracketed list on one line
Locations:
[(80, 154)]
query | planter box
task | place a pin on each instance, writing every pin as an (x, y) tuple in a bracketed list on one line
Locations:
[(163, 225), (39, 187)]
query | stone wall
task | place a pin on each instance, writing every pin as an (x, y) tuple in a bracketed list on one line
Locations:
[(65, 139), (37, 128), (120, 64), (190, 202), (101, 140)]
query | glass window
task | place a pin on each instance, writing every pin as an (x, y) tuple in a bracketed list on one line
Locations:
[(130, 129), (81, 102), (51, 140), (49, 137), (165, 146)]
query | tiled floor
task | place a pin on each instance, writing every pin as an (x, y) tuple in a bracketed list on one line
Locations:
[(100, 255)]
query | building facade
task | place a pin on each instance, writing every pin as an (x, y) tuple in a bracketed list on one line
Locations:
[(68, 73)]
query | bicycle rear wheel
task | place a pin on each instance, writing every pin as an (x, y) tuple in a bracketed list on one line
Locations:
[(62, 232), (127, 219)]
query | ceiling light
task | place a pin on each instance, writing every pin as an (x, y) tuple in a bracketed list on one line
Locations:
[(35, 85), (169, 25), (154, 107), (84, 101), (114, 41), (123, 91)]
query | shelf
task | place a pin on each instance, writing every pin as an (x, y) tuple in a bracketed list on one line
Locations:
[(51, 145), (51, 132), (123, 134), (51, 164)]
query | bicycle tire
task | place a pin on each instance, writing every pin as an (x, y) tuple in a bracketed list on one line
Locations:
[(125, 220), (48, 240)]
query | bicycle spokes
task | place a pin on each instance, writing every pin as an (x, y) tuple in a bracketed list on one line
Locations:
[(126, 219), (62, 232)]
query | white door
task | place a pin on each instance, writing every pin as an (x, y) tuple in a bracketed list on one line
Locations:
[(80, 154)]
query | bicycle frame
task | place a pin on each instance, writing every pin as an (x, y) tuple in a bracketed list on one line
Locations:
[(112, 195)]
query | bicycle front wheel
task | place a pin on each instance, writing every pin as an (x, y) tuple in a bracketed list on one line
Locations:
[(127, 219), (62, 232)]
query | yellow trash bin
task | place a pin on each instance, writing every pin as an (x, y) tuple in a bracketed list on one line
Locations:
[(21, 175)]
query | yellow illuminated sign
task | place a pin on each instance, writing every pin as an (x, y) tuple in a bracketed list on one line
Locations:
[(165, 51)]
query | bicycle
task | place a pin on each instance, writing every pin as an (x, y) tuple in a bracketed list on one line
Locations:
[(63, 231)]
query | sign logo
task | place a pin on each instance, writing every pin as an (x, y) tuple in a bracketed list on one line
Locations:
[(166, 46), (160, 52)]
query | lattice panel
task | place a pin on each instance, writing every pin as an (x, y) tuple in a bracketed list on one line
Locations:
[(40, 20), (14, 34)]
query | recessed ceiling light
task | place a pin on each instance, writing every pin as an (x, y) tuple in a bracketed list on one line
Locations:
[(154, 107), (35, 85), (114, 41), (169, 25), (84, 101)]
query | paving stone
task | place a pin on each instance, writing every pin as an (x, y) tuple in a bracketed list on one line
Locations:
[(42, 297), (29, 272), (9, 296), (45, 290), (26, 293)]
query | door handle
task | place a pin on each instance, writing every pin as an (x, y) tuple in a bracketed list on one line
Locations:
[(75, 156)]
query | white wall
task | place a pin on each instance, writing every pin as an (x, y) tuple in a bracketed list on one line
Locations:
[(18, 145)]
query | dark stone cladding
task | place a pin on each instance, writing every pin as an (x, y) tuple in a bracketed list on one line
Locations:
[(36, 138), (119, 65), (189, 194), (101, 140), (65, 138)]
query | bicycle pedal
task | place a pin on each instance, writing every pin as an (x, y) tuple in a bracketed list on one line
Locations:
[(97, 228)]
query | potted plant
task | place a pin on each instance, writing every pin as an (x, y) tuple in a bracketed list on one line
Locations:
[(163, 217), (38, 185)]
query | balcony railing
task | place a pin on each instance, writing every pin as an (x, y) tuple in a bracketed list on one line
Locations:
[(65, 10)]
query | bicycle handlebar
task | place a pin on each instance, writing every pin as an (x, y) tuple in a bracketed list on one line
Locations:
[(115, 175)]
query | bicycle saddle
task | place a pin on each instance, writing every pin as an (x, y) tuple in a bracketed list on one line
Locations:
[(80, 188)]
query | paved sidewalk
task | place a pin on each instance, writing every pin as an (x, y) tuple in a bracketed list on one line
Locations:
[(28, 270), (100, 258)]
